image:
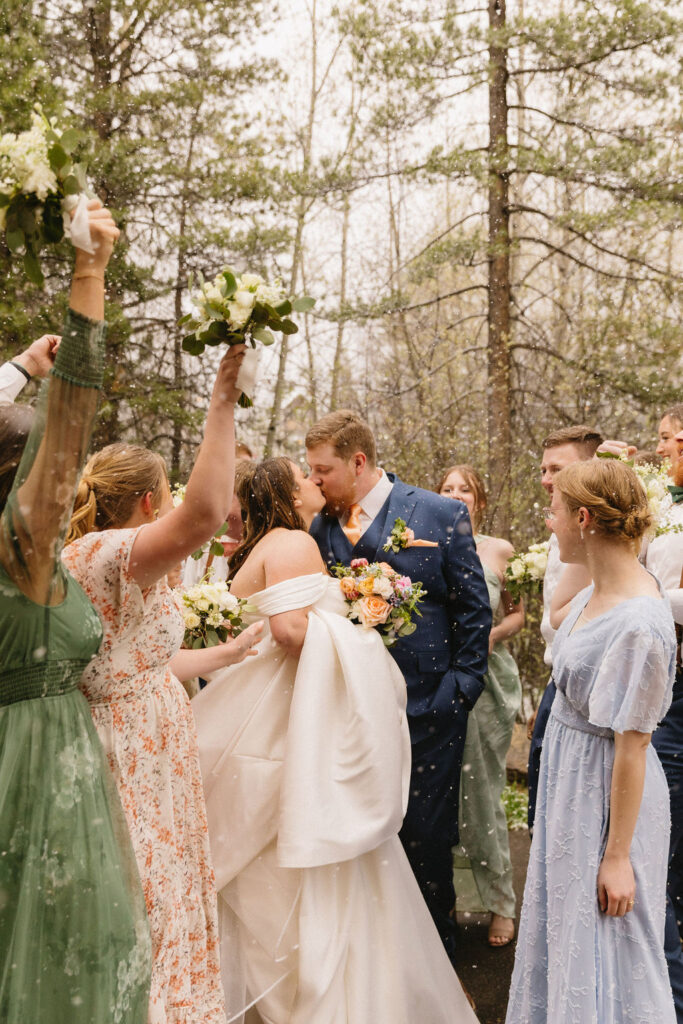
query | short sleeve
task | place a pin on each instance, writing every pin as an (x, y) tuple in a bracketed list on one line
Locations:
[(100, 564), (632, 689)]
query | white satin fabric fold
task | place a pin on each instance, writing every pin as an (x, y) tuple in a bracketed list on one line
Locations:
[(306, 765)]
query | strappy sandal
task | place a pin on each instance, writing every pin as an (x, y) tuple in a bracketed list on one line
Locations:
[(503, 933)]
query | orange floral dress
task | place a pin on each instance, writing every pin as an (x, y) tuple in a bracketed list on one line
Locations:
[(145, 723)]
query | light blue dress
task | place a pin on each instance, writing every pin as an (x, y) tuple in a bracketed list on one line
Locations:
[(574, 964)]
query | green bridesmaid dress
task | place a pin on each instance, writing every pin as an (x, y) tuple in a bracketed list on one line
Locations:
[(483, 871), (74, 938)]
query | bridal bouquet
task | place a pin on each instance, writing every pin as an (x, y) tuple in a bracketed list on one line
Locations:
[(40, 184), (655, 481), (211, 614), (525, 570), (378, 596), (237, 310), (213, 546)]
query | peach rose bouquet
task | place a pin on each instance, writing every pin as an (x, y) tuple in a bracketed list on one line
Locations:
[(378, 597)]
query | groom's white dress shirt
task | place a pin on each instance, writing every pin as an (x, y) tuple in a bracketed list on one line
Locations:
[(12, 381), (371, 503)]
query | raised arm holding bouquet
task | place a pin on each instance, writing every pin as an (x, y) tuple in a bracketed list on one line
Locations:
[(236, 310), (74, 938)]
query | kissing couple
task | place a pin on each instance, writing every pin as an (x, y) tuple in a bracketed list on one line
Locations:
[(331, 765)]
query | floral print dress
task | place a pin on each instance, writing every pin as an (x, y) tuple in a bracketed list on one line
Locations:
[(145, 723)]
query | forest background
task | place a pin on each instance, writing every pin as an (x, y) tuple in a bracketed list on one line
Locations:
[(485, 199)]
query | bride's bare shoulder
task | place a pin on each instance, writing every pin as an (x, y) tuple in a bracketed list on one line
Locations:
[(290, 553)]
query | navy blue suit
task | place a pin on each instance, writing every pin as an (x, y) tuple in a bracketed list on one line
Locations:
[(443, 662)]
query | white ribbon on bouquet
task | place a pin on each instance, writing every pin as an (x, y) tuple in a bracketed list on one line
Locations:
[(246, 378), (78, 227)]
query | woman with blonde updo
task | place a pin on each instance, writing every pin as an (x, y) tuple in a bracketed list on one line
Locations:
[(125, 537), (590, 944), (483, 826)]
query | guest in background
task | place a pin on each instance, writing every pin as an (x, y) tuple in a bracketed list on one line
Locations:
[(560, 448), (483, 824), (590, 936), (664, 559), (669, 425)]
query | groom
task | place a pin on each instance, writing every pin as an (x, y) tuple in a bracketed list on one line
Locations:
[(445, 659)]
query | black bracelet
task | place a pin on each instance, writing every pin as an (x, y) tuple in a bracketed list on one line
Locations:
[(22, 369)]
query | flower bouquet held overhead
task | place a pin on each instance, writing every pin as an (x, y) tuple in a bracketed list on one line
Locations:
[(379, 597), (42, 191), (238, 310)]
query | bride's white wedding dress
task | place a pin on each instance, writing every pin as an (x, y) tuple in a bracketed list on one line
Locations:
[(306, 766)]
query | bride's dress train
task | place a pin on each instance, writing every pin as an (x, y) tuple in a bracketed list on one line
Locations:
[(306, 765)]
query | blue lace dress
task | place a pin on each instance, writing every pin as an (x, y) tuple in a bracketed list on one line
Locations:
[(574, 964)]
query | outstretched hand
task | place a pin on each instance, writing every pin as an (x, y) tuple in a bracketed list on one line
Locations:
[(243, 645), (39, 358), (614, 447)]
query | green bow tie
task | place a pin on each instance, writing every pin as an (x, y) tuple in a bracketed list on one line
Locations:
[(676, 494)]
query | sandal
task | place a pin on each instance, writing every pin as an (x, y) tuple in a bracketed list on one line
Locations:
[(501, 931)]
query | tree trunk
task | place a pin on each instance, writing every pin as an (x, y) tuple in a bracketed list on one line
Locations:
[(302, 210), (339, 342), (499, 391)]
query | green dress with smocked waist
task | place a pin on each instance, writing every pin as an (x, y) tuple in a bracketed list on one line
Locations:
[(484, 844), (74, 939)]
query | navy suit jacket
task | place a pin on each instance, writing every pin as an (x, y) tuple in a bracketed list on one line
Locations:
[(445, 659)]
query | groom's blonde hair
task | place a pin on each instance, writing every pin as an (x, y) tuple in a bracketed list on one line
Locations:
[(346, 432)]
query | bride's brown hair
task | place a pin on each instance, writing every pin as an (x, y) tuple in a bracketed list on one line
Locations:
[(266, 492)]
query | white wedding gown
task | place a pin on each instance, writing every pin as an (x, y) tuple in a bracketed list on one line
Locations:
[(306, 766)]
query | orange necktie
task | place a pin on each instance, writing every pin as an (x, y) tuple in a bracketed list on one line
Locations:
[(352, 528)]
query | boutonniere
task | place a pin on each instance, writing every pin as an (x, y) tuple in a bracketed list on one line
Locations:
[(401, 537)]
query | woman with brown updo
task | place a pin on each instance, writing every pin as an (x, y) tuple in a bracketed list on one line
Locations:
[(591, 935), (483, 825), (125, 537)]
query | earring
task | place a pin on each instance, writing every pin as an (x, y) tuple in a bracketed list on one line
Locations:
[(581, 532)]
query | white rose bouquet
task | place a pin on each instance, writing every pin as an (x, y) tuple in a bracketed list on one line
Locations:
[(525, 570), (379, 597), (40, 184), (237, 310), (211, 614)]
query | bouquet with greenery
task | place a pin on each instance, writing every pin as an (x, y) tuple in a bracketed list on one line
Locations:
[(211, 614), (235, 310), (41, 183), (525, 570), (379, 597)]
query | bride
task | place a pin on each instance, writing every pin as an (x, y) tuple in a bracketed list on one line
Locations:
[(305, 757)]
